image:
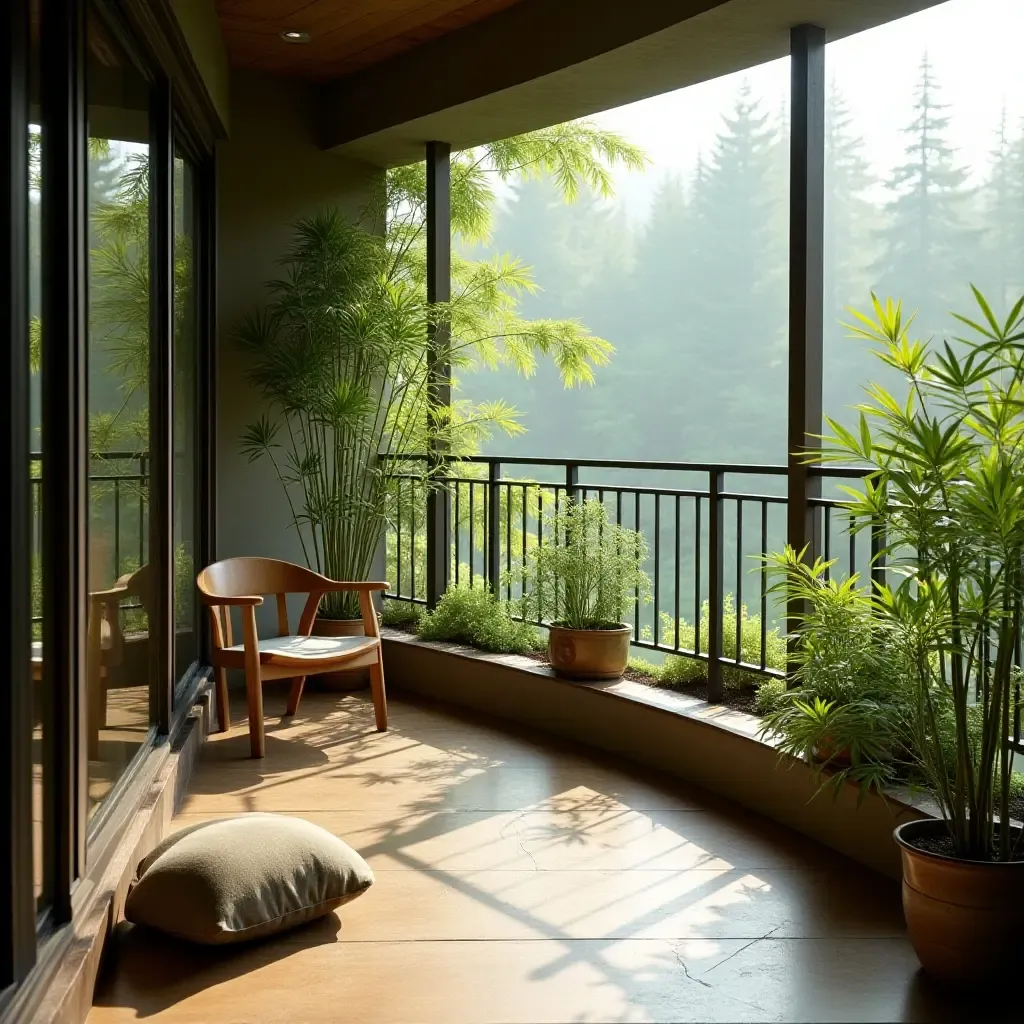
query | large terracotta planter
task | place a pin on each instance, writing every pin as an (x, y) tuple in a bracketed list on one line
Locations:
[(589, 653), (354, 679), (963, 916)]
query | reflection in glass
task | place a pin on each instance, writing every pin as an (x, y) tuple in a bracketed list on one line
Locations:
[(119, 584), (184, 520), (35, 254)]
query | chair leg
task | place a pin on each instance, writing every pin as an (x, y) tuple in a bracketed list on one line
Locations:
[(223, 707), (380, 700), (295, 695), (254, 692)]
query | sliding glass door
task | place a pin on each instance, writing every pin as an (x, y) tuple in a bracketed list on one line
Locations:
[(105, 255)]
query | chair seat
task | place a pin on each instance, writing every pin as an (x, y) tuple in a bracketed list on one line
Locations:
[(308, 648)]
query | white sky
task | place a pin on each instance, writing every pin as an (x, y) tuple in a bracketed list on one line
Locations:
[(975, 48)]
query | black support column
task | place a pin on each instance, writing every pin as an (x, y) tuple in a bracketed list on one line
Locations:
[(439, 392), (806, 279)]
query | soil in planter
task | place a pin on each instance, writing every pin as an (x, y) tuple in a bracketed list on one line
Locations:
[(943, 847)]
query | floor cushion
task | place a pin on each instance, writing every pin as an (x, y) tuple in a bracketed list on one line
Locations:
[(242, 878)]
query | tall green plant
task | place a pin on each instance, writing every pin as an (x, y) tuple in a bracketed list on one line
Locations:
[(339, 356), (590, 575), (947, 483)]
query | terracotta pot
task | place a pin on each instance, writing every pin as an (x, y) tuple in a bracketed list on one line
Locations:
[(355, 679), (589, 653), (963, 916), (826, 751)]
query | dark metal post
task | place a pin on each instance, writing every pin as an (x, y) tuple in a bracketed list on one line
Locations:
[(493, 538), (439, 371), (572, 482), (806, 282), (716, 582)]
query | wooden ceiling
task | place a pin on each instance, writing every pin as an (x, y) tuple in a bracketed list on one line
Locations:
[(345, 35)]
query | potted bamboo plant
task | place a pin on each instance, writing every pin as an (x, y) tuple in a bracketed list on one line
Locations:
[(339, 357), (583, 584), (947, 485)]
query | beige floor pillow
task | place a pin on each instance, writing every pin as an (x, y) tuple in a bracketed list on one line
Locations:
[(242, 878)]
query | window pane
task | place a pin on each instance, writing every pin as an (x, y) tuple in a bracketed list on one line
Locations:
[(924, 178), (185, 606), (35, 253), (119, 581)]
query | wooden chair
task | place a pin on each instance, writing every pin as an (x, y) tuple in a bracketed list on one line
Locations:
[(241, 582), (105, 650)]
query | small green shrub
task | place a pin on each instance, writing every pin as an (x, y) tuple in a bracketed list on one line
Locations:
[(681, 669), (590, 580), (643, 667), (769, 694), (474, 616), (401, 614)]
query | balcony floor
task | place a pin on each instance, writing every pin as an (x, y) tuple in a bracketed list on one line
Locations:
[(522, 880)]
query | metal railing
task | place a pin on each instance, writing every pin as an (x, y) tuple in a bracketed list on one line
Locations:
[(118, 511), (706, 526)]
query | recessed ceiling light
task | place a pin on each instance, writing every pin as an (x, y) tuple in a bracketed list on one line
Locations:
[(292, 36)]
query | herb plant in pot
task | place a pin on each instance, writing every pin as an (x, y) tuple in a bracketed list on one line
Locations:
[(848, 708), (583, 582), (947, 485)]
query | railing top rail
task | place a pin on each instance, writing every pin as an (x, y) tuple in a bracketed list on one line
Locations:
[(766, 469), (38, 456)]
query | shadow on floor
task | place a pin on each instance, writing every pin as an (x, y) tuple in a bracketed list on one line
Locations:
[(155, 971)]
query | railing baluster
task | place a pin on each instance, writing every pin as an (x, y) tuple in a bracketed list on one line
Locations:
[(853, 545), (716, 569), (636, 592), (764, 586), (696, 574), (492, 538), (412, 539), (738, 601), (675, 576), (657, 567), (117, 529), (508, 541), (457, 527), (472, 531), (398, 540), (826, 513)]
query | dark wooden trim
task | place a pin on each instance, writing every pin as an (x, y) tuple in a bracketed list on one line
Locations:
[(155, 22), (208, 353), (64, 431), (161, 403), (439, 370), (17, 902), (806, 280)]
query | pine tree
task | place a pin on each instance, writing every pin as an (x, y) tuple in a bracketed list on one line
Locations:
[(927, 236), (849, 225), (734, 332), (1002, 211), (847, 209)]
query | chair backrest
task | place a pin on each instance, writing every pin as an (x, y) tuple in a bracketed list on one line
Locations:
[(251, 577)]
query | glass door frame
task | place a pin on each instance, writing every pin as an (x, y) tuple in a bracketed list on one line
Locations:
[(75, 850)]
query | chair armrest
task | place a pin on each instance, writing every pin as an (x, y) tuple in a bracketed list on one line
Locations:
[(332, 585), (241, 602)]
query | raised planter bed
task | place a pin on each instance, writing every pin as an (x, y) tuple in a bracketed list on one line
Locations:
[(714, 747)]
